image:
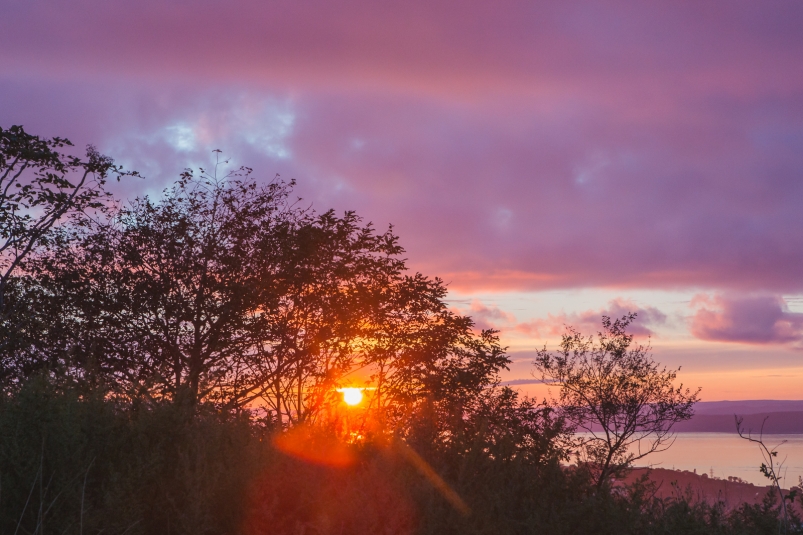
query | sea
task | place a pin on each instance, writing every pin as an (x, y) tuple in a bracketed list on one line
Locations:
[(726, 454), (709, 444)]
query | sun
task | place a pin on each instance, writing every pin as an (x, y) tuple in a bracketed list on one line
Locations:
[(352, 396)]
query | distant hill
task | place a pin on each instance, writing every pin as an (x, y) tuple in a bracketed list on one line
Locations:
[(777, 423), (754, 406), (782, 417)]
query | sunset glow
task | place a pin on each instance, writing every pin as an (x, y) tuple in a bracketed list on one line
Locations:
[(403, 267), (352, 396)]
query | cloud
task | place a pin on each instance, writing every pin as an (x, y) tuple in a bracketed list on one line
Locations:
[(520, 382), (427, 46), (590, 321), (489, 317), (522, 146), (490, 200), (751, 319)]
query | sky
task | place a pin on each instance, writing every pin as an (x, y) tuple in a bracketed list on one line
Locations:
[(551, 161)]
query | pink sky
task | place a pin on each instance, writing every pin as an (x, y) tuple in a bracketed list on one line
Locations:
[(553, 161)]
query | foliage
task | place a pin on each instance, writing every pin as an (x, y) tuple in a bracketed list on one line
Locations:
[(616, 394), (163, 301), (89, 465), (224, 291), (770, 468), (39, 188)]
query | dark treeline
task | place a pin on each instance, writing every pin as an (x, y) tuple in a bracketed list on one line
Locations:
[(176, 365)]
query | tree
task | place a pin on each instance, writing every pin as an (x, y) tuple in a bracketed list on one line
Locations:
[(770, 468), (39, 187), (225, 292), (623, 401), (167, 301)]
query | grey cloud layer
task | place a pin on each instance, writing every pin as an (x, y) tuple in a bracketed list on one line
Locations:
[(521, 147)]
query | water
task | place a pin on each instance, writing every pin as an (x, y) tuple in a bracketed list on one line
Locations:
[(728, 455)]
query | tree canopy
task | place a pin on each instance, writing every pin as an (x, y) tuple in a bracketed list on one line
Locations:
[(40, 186), (226, 291), (615, 393)]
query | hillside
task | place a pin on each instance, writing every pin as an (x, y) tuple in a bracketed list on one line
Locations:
[(700, 487)]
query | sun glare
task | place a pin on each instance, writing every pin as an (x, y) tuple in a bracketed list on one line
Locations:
[(352, 396)]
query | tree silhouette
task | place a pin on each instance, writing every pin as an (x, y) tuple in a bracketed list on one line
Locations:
[(622, 399), (40, 186), (224, 291), (770, 468)]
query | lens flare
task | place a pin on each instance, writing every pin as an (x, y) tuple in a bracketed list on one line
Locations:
[(352, 396)]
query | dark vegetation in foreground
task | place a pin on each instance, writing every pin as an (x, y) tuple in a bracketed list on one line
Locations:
[(177, 366), (73, 464)]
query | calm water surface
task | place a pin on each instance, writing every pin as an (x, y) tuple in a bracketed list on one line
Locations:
[(728, 455)]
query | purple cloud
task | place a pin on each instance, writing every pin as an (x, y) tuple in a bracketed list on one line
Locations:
[(757, 319), (489, 317), (519, 146), (590, 321)]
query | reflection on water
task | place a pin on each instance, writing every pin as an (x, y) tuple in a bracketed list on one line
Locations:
[(728, 455)]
